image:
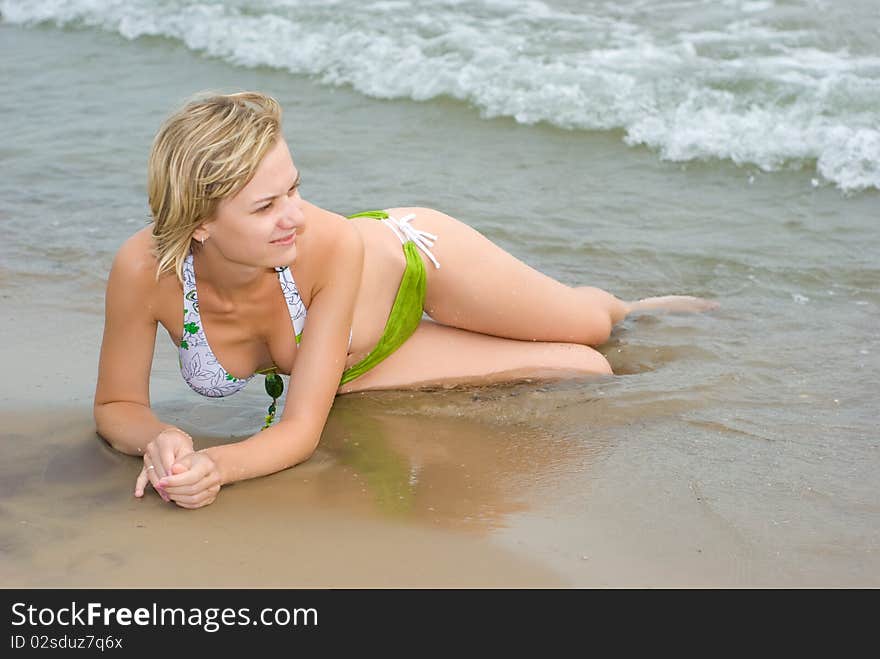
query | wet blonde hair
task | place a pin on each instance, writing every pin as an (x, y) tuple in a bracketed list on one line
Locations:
[(205, 152)]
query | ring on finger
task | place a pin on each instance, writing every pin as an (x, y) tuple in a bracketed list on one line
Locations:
[(151, 467)]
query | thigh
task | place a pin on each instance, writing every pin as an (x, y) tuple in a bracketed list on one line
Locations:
[(482, 288), (439, 355)]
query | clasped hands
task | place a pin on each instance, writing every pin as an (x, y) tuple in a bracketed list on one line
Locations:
[(177, 472)]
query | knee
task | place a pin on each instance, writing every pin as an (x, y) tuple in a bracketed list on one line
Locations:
[(592, 361), (600, 308), (599, 329)]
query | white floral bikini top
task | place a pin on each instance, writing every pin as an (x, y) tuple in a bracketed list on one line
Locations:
[(198, 365)]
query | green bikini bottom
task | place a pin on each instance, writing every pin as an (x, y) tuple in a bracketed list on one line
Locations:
[(406, 313)]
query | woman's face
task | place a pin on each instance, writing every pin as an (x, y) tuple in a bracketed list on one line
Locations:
[(258, 226)]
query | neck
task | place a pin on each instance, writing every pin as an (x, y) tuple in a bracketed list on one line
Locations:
[(229, 281)]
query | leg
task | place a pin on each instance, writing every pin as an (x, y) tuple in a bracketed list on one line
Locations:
[(482, 288), (439, 355)]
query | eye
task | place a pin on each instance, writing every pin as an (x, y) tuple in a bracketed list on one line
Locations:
[(293, 188), (263, 208)]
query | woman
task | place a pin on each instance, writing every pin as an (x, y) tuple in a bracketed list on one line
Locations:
[(250, 259)]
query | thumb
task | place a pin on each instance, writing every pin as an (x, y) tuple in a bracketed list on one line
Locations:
[(179, 467)]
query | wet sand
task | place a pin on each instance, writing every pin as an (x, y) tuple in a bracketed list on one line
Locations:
[(407, 489), (389, 499), (369, 509), (404, 505), (70, 521)]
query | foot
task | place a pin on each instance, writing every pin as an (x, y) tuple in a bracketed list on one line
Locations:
[(674, 304)]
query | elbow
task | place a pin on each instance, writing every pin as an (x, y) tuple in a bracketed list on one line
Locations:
[(304, 454), (287, 443), (104, 429), (292, 459), (101, 417), (300, 459), (301, 450), (100, 426), (101, 429), (116, 444)]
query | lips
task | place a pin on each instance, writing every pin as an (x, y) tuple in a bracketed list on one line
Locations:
[(286, 240)]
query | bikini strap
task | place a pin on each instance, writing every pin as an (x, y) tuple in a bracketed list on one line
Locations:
[(405, 231), (295, 306), (378, 215)]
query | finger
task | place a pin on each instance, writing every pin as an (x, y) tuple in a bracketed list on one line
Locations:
[(209, 481), (156, 460), (191, 482), (141, 483), (192, 499), (176, 469), (194, 506), (196, 501), (166, 459), (153, 477), (191, 476)]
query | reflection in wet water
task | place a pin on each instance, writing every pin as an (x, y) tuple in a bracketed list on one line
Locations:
[(68, 513)]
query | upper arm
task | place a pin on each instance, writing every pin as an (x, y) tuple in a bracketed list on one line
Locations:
[(324, 347), (129, 327)]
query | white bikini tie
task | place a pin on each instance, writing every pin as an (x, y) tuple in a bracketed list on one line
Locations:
[(422, 239)]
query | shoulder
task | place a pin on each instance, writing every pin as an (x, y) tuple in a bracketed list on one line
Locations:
[(341, 254), (346, 249), (135, 263), (136, 253)]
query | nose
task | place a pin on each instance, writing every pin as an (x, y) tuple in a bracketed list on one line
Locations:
[(291, 213)]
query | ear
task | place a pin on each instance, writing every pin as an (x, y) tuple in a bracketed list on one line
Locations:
[(202, 232)]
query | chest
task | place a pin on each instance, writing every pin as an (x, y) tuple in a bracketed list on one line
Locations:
[(245, 337), (259, 333)]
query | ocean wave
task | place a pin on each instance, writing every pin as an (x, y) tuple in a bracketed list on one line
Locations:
[(692, 80)]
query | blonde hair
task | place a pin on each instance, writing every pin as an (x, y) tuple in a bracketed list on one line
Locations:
[(205, 152)]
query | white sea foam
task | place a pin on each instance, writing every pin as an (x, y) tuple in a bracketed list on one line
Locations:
[(693, 79)]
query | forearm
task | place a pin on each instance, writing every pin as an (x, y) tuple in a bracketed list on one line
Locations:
[(278, 447), (128, 427)]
